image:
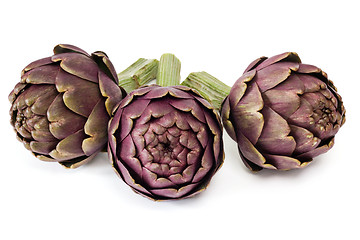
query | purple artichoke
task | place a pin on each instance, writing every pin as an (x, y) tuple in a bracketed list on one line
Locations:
[(165, 142), (282, 113), (61, 107)]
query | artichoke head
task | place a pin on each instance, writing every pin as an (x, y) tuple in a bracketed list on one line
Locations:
[(165, 142), (61, 107), (282, 113)]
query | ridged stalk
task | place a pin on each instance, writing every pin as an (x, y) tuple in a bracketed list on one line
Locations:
[(137, 74), (211, 88), (169, 70)]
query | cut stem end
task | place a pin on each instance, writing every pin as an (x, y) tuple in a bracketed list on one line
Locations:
[(169, 70), (211, 88), (137, 74)]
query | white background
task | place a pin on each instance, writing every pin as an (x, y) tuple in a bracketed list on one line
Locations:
[(42, 200)]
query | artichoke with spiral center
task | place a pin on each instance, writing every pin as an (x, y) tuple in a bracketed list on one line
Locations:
[(165, 142)]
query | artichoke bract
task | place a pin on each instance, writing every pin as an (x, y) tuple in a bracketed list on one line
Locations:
[(282, 113), (61, 107), (165, 142)]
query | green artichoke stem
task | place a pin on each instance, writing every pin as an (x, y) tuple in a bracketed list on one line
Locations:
[(169, 70), (137, 74), (211, 88)]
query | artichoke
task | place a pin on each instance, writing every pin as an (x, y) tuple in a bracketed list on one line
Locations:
[(165, 142), (61, 107), (282, 113)]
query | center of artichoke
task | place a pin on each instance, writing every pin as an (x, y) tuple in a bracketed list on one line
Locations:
[(20, 119), (170, 149), (24, 122), (164, 150), (324, 114)]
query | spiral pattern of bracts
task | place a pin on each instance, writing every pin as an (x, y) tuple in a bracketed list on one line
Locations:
[(61, 107), (282, 113), (165, 142)]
